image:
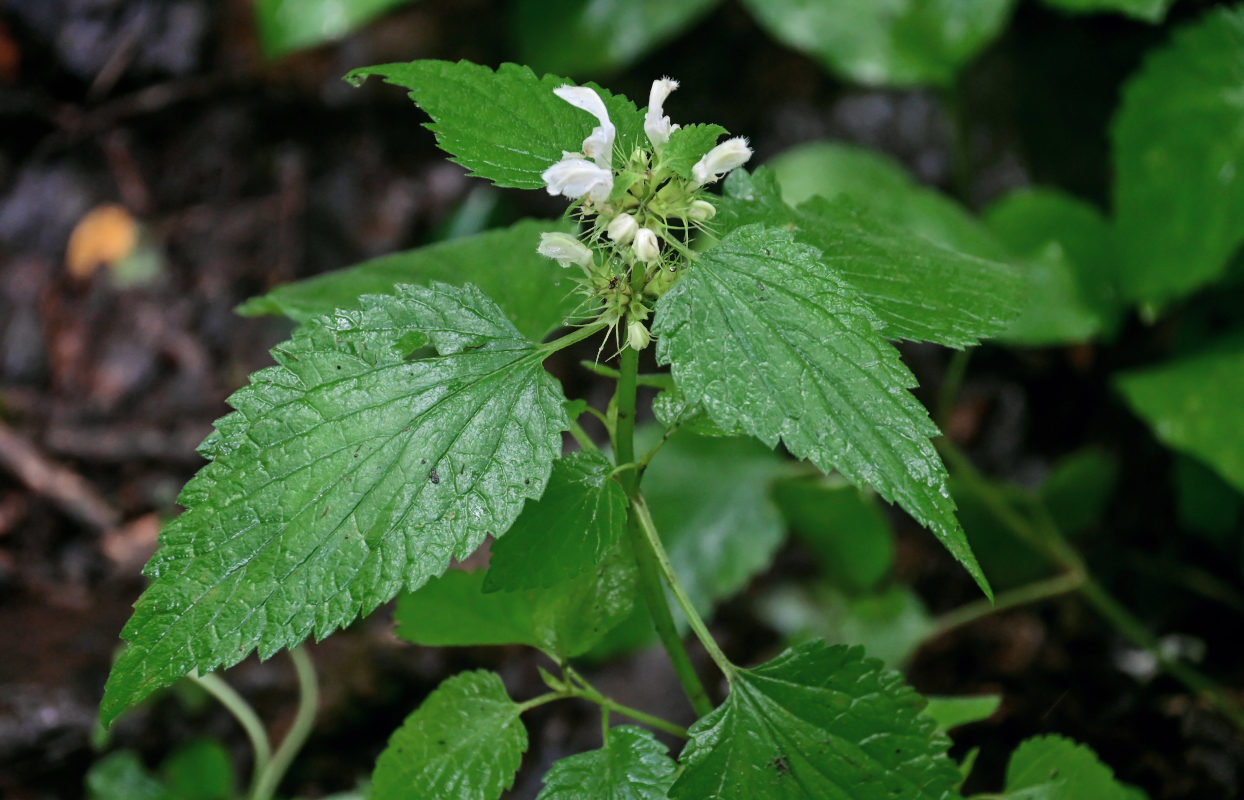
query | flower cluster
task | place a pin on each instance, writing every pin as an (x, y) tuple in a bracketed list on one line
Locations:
[(639, 216)]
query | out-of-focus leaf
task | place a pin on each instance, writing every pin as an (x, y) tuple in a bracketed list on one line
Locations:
[(1078, 489), (534, 292), (1147, 10), (1179, 160), (122, 776), (199, 770), (844, 527), (882, 186), (1055, 768), (951, 712), (892, 43), (589, 37), (1069, 265), (287, 25), (1206, 504), (1196, 405), (889, 623)]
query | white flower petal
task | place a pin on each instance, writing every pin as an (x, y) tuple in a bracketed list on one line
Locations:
[(721, 159), (564, 249), (575, 177), (656, 124), (599, 143), (647, 245)]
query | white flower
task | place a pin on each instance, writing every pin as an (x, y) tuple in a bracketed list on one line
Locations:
[(622, 229), (575, 177), (599, 144), (647, 247), (701, 211), (720, 160), (637, 336), (564, 249), (656, 124)]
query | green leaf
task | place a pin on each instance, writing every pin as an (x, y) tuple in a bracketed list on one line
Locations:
[(589, 37), (632, 765), (709, 499), (1194, 405), (346, 473), (843, 527), (951, 712), (564, 620), (896, 43), (1147, 10), (919, 290), (889, 623), (1054, 768), (818, 721), (199, 770), (288, 25), (1070, 266), (122, 776), (763, 336), (885, 189), (568, 531), (1179, 160), (1078, 489), (465, 741), (688, 144), (536, 294), (506, 126)]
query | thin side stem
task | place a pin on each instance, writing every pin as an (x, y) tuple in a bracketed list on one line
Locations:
[(304, 718), (952, 382), (561, 343), (241, 710), (580, 436), (653, 540), (543, 699), (589, 692), (1033, 592)]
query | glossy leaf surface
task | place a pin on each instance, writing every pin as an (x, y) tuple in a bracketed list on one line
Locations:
[(506, 126), (348, 472), (465, 741), (766, 338), (632, 765), (818, 721)]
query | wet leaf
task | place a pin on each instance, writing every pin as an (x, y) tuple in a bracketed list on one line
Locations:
[(632, 765)]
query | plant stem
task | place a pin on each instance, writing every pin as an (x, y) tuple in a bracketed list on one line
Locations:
[(561, 343), (236, 705), (649, 577), (589, 692), (542, 699), (952, 382), (663, 621), (304, 718), (667, 569), (657, 380), (580, 436), (1039, 590)]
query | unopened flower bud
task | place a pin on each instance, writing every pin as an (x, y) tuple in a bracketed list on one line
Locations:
[(564, 249), (622, 229), (647, 247), (637, 336), (720, 160), (701, 211)]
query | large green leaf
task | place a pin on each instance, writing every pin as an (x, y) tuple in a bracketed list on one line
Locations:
[(1196, 405), (465, 741), (1070, 266), (1148, 10), (588, 37), (884, 188), (348, 472), (886, 42), (1179, 160), (632, 765), (766, 338), (1054, 768), (564, 620), (286, 25), (920, 290), (818, 721), (506, 126), (535, 293), (568, 531)]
